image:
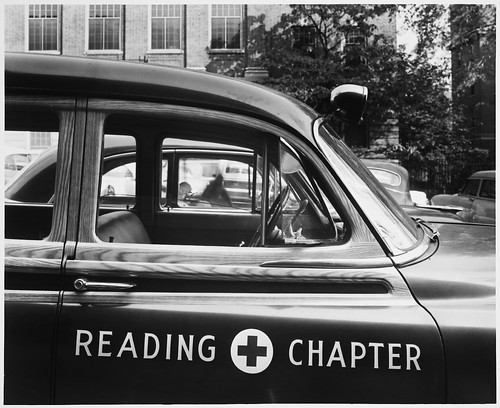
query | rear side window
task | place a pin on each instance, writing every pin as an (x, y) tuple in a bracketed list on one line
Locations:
[(386, 177), (38, 184), (471, 186), (30, 157), (216, 180), (488, 189)]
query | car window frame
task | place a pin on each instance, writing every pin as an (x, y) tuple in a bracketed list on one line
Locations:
[(361, 247), (69, 111), (481, 189), (173, 183), (470, 181)]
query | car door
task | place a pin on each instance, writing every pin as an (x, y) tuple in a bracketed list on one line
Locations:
[(37, 236), (303, 320), (483, 208), (467, 196)]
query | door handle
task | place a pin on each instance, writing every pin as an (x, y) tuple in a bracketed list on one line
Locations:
[(82, 284)]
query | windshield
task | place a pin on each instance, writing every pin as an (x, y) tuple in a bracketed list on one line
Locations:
[(394, 226)]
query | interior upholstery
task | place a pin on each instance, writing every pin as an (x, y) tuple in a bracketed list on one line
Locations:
[(122, 226)]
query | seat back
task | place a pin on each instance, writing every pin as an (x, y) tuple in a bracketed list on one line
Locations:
[(122, 226)]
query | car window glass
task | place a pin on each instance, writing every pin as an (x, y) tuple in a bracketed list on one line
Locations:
[(396, 228), (386, 177), (470, 188), (216, 186), (38, 167), (31, 143), (215, 181), (118, 180), (488, 189), (14, 163), (307, 216)]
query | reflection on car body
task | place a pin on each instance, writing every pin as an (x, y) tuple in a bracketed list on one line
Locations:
[(313, 284), (476, 199)]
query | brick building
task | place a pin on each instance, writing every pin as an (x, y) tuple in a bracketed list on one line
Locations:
[(196, 36), (479, 97)]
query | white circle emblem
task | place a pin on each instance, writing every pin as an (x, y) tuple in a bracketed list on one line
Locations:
[(252, 351)]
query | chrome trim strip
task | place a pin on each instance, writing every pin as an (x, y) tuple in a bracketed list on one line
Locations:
[(388, 277), (31, 296), (195, 300)]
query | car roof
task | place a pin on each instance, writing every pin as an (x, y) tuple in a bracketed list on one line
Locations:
[(62, 75), (488, 174)]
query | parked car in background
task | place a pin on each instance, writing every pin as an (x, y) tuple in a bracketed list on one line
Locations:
[(476, 198), (310, 284), (394, 178), (15, 160)]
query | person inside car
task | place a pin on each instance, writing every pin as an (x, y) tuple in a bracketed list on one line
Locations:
[(185, 194), (216, 194)]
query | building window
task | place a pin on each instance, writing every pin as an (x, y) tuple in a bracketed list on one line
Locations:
[(355, 37), (165, 27), (355, 40), (226, 26), (40, 140), (43, 27), (104, 26), (304, 38)]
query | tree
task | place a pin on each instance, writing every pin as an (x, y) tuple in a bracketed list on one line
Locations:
[(414, 90), (470, 35), (467, 24)]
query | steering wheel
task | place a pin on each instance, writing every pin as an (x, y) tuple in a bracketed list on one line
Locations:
[(273, 215)]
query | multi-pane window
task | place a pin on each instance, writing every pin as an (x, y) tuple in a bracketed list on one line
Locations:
[(42, 23), (165, 27), (226, 26), (39, 140), (304, 38), (355, 36), (104, 26)]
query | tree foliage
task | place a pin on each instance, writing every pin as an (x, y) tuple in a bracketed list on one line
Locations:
[(412, 89), (467, 24)]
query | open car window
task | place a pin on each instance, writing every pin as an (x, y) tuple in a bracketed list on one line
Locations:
[(306, 216), (213, 188)]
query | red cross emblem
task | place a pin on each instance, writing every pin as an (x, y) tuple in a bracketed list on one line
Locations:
[(252, 351)]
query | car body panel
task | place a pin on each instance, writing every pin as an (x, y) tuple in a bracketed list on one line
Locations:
[(30, 310), (303, 337), (457, 289), (478, 205), (149, 82), (339, 320)]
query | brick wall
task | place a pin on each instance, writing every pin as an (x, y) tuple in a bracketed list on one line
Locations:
[(73, 30), (197, 17), (14, 28), (136, 32), (136, 37)]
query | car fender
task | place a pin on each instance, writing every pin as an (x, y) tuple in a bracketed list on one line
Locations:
[(457, 287)]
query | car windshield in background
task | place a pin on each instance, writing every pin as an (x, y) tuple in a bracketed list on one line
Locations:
[(394, 225)]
